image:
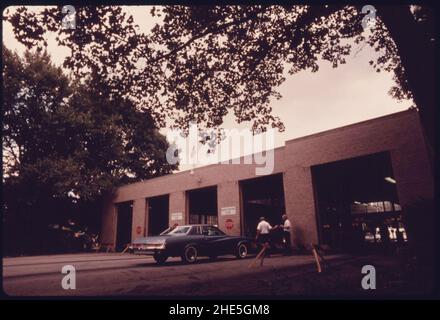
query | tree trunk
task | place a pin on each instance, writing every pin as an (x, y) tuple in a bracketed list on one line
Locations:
[(417, 54)]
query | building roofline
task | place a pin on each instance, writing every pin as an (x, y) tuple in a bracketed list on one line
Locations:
[(310, 136), (197, 168), (352, 125)]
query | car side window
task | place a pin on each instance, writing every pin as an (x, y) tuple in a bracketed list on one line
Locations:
[(211, 231), (195, 230)]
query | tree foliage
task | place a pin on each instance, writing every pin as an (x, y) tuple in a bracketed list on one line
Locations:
[(66, 143), (71, 138), (203, 62)]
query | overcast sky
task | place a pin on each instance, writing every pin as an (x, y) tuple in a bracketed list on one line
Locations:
[(311, 102)]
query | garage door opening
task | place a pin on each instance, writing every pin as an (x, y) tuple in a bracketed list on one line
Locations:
[(158, 208), (357, 203), (202, 206), (124, 224), (262, 197)]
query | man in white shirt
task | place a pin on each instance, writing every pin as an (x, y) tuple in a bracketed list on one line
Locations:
[(263, 226), (287, 229), (263, 229)]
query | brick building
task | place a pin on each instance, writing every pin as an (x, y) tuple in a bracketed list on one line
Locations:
[(361, 174)]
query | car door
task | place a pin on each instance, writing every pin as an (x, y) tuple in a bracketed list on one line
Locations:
[(195, 236), (215, 240)]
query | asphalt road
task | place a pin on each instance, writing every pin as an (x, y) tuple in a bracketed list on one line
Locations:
[(110, 274)]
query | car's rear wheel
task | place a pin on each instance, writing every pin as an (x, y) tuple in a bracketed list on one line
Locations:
[(160, 258), (189, 254), (242, 251)]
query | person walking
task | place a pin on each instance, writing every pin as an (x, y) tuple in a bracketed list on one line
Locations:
[(263, 236), (287, 229)]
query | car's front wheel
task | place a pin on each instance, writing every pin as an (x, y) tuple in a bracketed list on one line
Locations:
[(160, 258), (242, 251), (189, 254)]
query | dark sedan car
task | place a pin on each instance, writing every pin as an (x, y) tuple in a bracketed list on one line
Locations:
[(190, 242)]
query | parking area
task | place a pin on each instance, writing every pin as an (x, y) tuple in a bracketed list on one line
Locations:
[(112, 274)]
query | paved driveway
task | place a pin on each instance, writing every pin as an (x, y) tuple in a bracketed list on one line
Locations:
[(112, 274)]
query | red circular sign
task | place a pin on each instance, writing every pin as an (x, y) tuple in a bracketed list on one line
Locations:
[(229, 224), (139, 230)]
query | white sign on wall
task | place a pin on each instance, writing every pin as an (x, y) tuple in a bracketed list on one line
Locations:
[(228, 211), (176, 216)]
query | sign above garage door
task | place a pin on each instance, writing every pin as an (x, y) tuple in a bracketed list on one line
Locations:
[(177, 216), (228, 211)]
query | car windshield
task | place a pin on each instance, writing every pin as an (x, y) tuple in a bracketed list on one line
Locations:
[(177, 230)]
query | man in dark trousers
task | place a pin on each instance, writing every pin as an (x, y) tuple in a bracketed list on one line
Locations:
[(263, 236), (287, 229)]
